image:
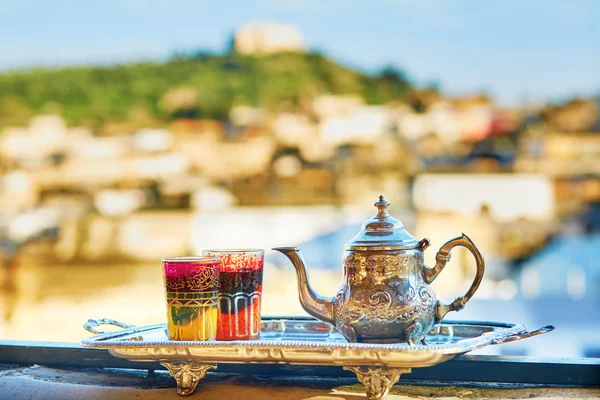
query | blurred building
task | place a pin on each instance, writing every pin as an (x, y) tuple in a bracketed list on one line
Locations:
[(571, 160), (267, 38), (247, 116), (506, 196), (33, 146), (560, 154), (363, 125), (331, 106), (450, 122)]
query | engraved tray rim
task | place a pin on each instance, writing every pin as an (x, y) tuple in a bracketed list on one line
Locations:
[(112, 341), (377, 366)]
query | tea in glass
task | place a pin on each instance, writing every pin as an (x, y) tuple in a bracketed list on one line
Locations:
[(192, 291), (240, 292)]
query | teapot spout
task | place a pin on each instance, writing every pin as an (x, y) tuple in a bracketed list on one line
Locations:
[(317, 306)]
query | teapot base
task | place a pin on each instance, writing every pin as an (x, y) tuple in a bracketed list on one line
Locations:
[(413, 333)]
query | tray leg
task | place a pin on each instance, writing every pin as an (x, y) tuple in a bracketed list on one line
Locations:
[(378, 380), (187, 374)]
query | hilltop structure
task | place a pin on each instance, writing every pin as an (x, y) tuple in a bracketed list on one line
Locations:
[(268, 38)]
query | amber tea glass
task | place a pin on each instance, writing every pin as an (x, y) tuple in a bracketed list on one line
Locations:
[(192, 292), (240, 292)]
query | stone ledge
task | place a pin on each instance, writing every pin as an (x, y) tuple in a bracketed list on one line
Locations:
[(65, 384)]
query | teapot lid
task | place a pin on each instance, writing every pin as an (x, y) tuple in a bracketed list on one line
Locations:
[(382, 231)]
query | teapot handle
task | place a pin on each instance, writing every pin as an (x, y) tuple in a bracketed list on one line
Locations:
[(442, 257)]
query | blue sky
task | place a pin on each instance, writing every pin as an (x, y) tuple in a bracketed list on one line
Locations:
[(514, 50)]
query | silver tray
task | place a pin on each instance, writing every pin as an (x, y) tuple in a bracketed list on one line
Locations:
[(302, 341)]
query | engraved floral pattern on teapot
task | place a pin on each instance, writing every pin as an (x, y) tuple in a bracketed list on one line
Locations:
[(381, 295), (385, 294)]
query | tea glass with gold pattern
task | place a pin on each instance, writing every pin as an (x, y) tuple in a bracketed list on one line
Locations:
[(192, 292), (240, 292)]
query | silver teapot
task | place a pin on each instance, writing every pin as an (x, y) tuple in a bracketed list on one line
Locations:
[(385, 295)]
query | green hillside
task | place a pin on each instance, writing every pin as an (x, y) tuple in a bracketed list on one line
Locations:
[(201, 86)]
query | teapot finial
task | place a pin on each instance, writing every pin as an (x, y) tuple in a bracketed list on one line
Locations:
[(382, 206)]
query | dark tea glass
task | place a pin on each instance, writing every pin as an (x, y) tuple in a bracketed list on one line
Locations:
[(192, 291), (240, 292)]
